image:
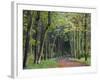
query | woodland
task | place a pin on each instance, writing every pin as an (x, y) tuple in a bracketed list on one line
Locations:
[(56, 39)]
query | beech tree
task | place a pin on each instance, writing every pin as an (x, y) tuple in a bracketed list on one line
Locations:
[(49, 35)]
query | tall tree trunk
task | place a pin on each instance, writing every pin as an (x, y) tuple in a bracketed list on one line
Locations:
[(53, 45), (36, 36), (45, 49), (27, 38), (74, 44), (85, 36), (41, 47), (44, 37), (71, 43), (35, 48)]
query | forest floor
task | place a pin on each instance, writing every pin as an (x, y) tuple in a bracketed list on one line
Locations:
[(70, 63), (58, 62)]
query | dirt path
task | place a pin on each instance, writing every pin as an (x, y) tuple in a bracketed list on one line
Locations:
[(69, 63)]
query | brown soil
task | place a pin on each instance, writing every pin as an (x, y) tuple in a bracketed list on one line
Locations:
[(70, 63)]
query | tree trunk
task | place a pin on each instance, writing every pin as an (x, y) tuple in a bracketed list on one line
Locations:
[(41, 47), (85, 36), (27, 39), (43, 38), (35, 49), (36, 36), (53, 45), (45, 49)]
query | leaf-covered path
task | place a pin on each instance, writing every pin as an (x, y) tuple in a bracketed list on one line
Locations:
[(70, 63)]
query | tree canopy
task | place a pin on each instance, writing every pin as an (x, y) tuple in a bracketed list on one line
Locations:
[(48, 34)]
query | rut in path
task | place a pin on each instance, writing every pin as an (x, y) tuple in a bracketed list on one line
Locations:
[(69, 63)]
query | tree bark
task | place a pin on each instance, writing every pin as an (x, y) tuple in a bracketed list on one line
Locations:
[(85, 36), (27, 38), (43, 38), (36, 36)]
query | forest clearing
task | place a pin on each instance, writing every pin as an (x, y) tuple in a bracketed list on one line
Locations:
[(56, 39)]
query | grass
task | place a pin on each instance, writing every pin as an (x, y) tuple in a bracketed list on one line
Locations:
[(88, 62), (50, 63)]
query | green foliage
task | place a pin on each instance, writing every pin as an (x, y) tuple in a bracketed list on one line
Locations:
[(69, 33), (50, 63), (32, 42), (44, 19)]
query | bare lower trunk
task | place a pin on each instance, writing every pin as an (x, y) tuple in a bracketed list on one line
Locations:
[(27, 39), (43, 38), (41, 48)]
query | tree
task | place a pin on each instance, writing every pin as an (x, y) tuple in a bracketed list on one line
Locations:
[(27, 38), (49, 35), (44, 37)]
